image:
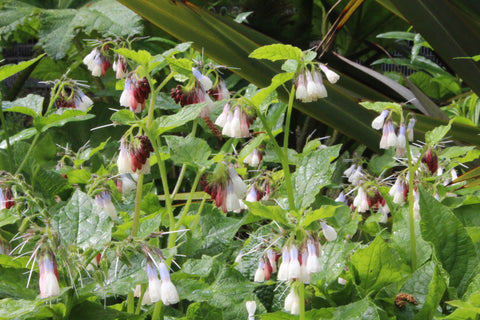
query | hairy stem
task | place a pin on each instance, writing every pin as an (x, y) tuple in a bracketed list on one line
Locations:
[(138, 201)]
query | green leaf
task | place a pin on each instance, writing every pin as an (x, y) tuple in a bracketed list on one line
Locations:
[(400, 239), (167, 123), (333, 261), (141, 57), (314, 171), (11, 69), (409, 36), (277, 81), (275, 213), (427, 286), (375, 266), (13, 284), (148, 224), (453, 246), (290, 65), (252, 144), (22, 135), (436, 135), (123, 116), (242, 17), (190, 150), (30, 105), (82, 222), (96, 311), (364, 309), (319, 214), (182, 66), (58, 120), (276, 52), (380, 106), (203, 311), (23, 309), (79, 176)]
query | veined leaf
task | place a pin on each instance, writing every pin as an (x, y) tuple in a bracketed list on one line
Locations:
[(11, 69), (276, 52)]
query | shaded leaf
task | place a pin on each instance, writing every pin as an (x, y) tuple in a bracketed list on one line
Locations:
[(275, 213), (166, 123), (453, 246), (11, 69), (190, 150)]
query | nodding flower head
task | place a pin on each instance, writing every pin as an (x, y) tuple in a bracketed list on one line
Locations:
[(120, 66), (135, 93), (74, 98), (104, 201), (97, 62), (48, 281), (154, 284), (169, 291), (332, 76), (361, 200), (328, 231), (431, 160), (220, 91), (254, 158), (225, 187), (378, 122), (236, 123), (134, 156)]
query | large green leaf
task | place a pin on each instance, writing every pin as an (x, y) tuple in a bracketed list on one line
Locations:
[(82, 222), (313, 172), (426, 285), (452, 28), (375, 266), (453, 246)]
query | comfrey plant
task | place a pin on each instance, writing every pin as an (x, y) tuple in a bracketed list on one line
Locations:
[(199, 206)]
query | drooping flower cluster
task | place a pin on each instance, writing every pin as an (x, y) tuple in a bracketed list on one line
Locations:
[(226, 188), (97, 61), (309, 84), (48, 281), (159, 289), (74, 98), (134, 156), (389, 136), (135, 93), (236, 120)]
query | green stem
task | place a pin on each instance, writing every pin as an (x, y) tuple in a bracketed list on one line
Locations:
[(190, 198), (130, 303), (302, 300), (7, 138), (413, 242), (197, 217), (184, 166), (285, 164), (35, 139), (283, 159), (153, 97), (158, 311), (163, 176), (138, 202)]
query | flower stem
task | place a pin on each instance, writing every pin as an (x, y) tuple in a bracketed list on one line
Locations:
[(285, 164), (130, 303), (301, 294), (158, 311), (190, 198), (413, 242), (283, 159), (22, 164), (7, 138), (138, 201)]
